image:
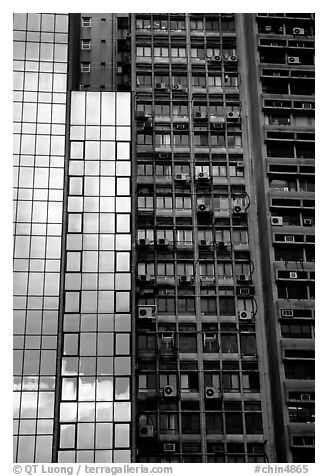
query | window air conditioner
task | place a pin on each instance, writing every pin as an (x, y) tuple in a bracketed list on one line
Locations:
[(298, 31), (162, 242), (240, 165), (293, 275), (146, 431), (244, 315), (238, 209), (289, 238), (211, 392), (305, 396), (276, 221), (184, 279), (243, 278), (143, 277), (169, 391), (293, 60), (202, 207), (216, 58), (233, 115), (180, 127), (199, 115), (245, 291), (169, 447), (146, 312), (307, 222), (143, 242), (204, 243), (287, 312), (182, 177), (160, 86), (232, 59), (203, 176), (177, 87)]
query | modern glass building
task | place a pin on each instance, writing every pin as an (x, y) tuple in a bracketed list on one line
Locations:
[(163, 232)]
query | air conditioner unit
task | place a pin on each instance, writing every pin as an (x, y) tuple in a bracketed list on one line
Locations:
[(222, 245), (211, 392), (289, 238), (238, 209), (142, 115), (182, 177), (233, 115), (169, 391), (143, 242), (232, 59), (160, 86), (177, 87), (244, 291), (217, 125), (146, 431), (143, 277), (293, 60), (305, 396), (146, 312), (287, 312), (243, 278), (199, 115), (203, 176), (216, 58), (185, 279), (163, 155), (276, 221), (162, 242), (203, 243), (180, 127), (307, 222), (293, 275), (285, 189), (169, 447), (298, 31), (268, 28), (240, 165), (202, 207), (307, 105), (244, 315)]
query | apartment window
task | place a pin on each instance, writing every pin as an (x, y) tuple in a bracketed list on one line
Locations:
[(296, 331), (144, 80), (214, 423), (190, 423), (143, 51), (147, 342), (181, 139), (85, 67), (168, 423), (164, 203), (183, 203), (161, 51), (253, 423), (201, 140), (145, 202), (178, 52), (208, 304), (301, 369), (177, 25), (234, 423), (143, 24), (163, 139), (230, 382), (86, 21), (215, 81), (197, 25), (179, 110), (186, 305), (188, 342), (198, 53), (160, 24), (292, 291), (210, 52), (229, 343), (144, 139), (145, 169), (86, 44), (212, 25), (199, 81)]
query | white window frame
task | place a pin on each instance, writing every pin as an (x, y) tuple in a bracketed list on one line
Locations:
[(86, 21), (85, 67), (85, 45)]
